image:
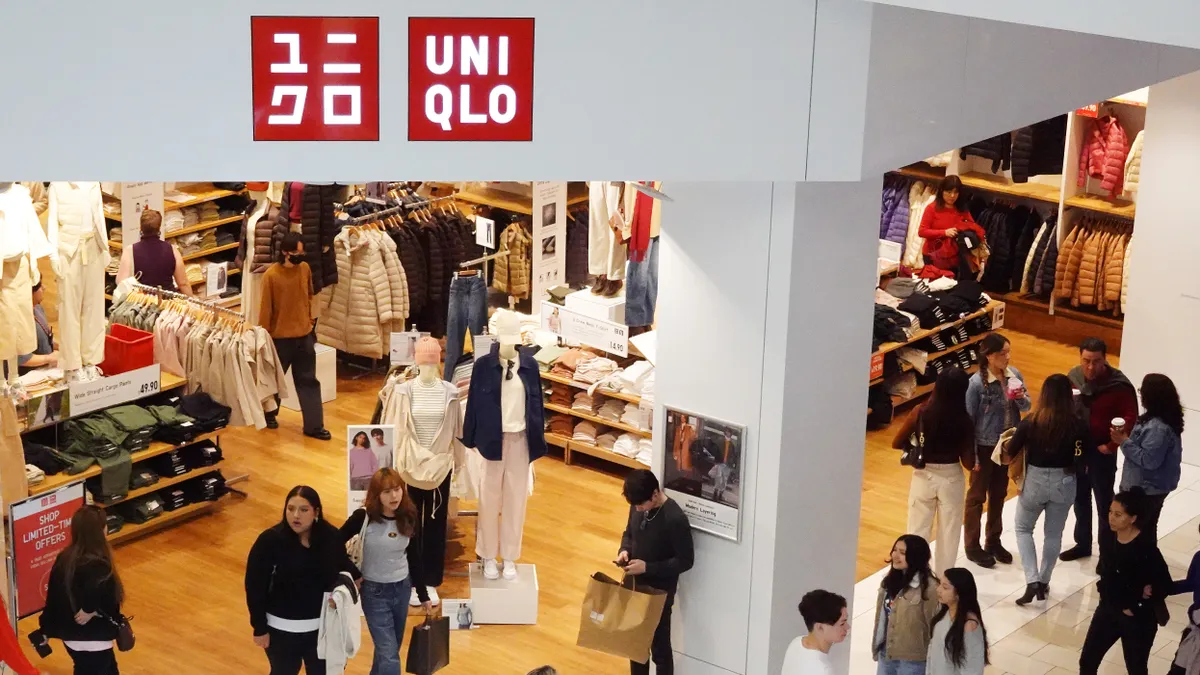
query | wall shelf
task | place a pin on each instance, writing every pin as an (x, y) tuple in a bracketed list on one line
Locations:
[(1120, 208), (207, 252), (134, 530)]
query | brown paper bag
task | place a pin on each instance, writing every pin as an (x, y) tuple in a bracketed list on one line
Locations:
[(620, 621)]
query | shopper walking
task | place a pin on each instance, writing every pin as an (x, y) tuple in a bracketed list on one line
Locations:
[(656, 548), (905, 609), (84, 596), (152, 261), (391, 565), (945, 431), (1154, 451), (1134, 581), (996, 398), (827, 622), (1104, 394), (1052, 443), (959, 643), (291, 567), (286, 312)]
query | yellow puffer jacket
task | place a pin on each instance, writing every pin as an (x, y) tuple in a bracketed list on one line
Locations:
[(513, 270), (1089, 270)]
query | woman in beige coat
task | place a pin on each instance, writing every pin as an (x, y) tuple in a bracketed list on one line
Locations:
[(905, 609)]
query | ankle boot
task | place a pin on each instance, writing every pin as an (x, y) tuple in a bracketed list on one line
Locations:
[(1043, 591), (1000, 553), (1031, 592), (981, 557)]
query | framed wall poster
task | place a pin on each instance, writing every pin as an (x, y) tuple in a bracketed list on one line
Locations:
[(702, 471), (369, 448)]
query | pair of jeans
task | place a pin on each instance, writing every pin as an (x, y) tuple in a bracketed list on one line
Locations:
[(988, 484), (1096, 479), (641, 288), (386, 608), (1051, 491), (660, 647), (467, 311), (300, 355), (1110, 624), (898, 667), (94, 663), (288, 651)]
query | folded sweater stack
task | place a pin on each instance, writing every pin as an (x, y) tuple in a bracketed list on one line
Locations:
[(585, 432)]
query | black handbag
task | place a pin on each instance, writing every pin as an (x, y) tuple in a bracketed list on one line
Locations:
[(429, 648), (125, 637), (914, 452)]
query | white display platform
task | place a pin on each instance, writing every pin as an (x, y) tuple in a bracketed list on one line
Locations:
[(598, 307), (326, 373), (503, 601)]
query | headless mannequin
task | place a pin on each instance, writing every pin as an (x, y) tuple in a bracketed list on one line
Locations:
[(22, 243), (79, 253)]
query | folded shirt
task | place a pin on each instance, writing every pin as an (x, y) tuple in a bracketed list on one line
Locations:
[(563, 425), (584, 432), (606, 440), (594, 369)]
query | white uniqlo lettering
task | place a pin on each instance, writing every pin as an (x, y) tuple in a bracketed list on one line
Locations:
[(509, 96), (300, 92), (474, 56), (354, 117), (342, 68), (293, 66), (473, 60), (431, 57)]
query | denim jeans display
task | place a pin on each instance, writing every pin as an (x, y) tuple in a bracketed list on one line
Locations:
[(467, 311), (1051, 491), (385, 607), (898, 667), (641, 288)]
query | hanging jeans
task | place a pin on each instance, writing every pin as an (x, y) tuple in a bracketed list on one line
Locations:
[(385, 607), (467, 311), (938, 489), (641, 288), (1045, 490), (433, 508)]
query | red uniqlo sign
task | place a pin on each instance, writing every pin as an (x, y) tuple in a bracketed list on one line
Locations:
[(315, 78), (470, 79), (40, 527)]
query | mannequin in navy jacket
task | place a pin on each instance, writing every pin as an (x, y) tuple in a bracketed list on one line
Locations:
[(482, 427)]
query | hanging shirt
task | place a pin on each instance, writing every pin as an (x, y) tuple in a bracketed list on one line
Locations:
[(512, 397)]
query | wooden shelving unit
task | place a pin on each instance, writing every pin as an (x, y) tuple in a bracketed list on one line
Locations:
[(166, 382), (156, 449), (560, 379), (1119, 208), (924, 333), (189, 230), (988, 183), (577, 193), (597, 420), (905, 367), (164, 483), (570, 446), (201, 192), (923, 390), (132, 531), (207, 252)]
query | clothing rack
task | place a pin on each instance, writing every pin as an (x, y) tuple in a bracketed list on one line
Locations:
[(485, 258), (163, 293)]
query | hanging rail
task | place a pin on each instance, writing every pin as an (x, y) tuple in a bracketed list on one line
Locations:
[(161, 292)]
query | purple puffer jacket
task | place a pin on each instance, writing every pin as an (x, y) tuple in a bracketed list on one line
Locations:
[(897, 229)]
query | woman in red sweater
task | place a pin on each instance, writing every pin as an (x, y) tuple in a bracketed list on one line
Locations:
[(942, 222)]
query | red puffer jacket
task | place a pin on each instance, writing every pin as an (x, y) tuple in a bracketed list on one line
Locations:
[(1105, 147)]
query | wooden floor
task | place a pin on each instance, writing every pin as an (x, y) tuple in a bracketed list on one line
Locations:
[(185, 585)]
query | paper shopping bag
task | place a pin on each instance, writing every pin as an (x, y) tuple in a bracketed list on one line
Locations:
[(429, 648), (619, 621)]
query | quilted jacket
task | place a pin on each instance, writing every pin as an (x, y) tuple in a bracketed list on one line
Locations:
[(1091, 269), (357, 307), (997, 148), (513, 270), (1125, 274), (1067, 270), (1044, 283), (1114, 272), (1105, 148), (1037, 150), (914, 243), (412, 258), (397, 279), (317, 228), (1033, 259), (898, 219), (263, 254), (1133, 165)]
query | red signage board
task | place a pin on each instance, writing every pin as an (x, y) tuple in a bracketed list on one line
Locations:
[(876, 366), (470, 79), (40, 527), (1092, 111), (315, 78)]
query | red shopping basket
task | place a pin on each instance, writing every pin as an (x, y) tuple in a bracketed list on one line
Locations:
[(127, 349)]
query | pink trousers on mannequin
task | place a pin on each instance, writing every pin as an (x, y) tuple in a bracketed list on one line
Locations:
[(502, 502)]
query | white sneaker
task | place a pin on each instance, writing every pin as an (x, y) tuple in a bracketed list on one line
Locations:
[(73, 376), (510, 570), (94, 373), (490, 571), (413, 600), (433, 596)]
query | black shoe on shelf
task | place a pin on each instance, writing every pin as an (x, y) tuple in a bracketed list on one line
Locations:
[(319, 434), (981, 557), (1075, 553), (1031, 592), (1000, 553), (272, 423)]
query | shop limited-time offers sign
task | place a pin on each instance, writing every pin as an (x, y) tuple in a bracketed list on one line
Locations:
[(319, 78)]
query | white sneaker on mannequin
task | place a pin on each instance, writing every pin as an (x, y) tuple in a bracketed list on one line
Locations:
[(433, 596), (94, 373), (73, 376), (490, 571), (413, 600), (510, 570)]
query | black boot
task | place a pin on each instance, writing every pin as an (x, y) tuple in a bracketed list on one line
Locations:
[(1043, 591), (998, 552), (981, 557), (1075, 553), (1031, 592)]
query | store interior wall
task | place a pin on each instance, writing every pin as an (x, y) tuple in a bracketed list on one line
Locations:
[(1162, 316)]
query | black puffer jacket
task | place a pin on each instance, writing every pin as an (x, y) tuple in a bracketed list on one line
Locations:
[(1028, 232), (1045, 281), (1037, 150), (317, 229), (997, 148), (412, 257)]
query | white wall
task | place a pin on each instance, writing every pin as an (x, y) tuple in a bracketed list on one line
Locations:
[(1162, 317)]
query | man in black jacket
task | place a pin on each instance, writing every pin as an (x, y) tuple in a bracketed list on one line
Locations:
[(655, 549)]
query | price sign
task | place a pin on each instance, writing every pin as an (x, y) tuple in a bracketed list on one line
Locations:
[(485, 232), (582, 329), (998, 317), (1092, 111), (404, 347), (482, 344), (876, 366), (217, 279), (114, 390)]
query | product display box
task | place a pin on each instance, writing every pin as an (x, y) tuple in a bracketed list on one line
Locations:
[(503, 601), (326, 373), (597, 307)]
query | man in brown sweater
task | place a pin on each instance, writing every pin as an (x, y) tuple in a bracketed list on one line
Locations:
[(286, 312)]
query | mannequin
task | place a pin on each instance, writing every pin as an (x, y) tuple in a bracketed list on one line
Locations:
[(606, 224), (22, 243), (79, 253), (505, 422), (428, 419)]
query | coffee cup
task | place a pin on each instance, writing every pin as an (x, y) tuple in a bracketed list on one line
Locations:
[(1015, 386), (1118, 423)]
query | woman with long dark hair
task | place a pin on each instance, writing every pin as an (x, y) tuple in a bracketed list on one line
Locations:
[(946, 435), (1134, 581), (391, 565), (84, 596), (943, 221), (904, 610), (1154, 451), (291, 567), (959, 643), (1051, 441)]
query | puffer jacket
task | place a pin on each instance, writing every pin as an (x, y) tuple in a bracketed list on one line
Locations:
[(897, 228), (1038, 150), (1105, 148), (997, 148), (412, 258), (1125, 273), (1025, 239), (1044, 283), (357, 307), (1083, 292), (317, 229), (513, 270), (1033, 259), (1133, 165), (914, 243), (397, 279), (263, 253), (1066, 269)]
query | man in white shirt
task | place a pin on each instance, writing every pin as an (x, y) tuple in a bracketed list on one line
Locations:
[(825, 617)]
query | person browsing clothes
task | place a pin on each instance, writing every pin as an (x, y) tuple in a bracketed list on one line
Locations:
[(46, 353), (152, 261)]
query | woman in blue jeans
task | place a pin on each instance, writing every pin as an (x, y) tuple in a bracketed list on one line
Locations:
[(1052, 440), (391, 565)]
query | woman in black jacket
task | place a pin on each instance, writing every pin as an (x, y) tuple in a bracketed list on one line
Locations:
[(291, 567), (1134, 581), (84, 596)]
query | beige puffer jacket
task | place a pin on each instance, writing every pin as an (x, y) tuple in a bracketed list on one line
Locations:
[(1133, 163), (1113, 268), (1089, 270), (513, 270), (1070, 255), (361, 302), (1125, 273), (397, 279)]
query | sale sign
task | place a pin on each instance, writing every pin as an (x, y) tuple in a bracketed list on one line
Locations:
[(470, 79), (40, 527), (315, 78)]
